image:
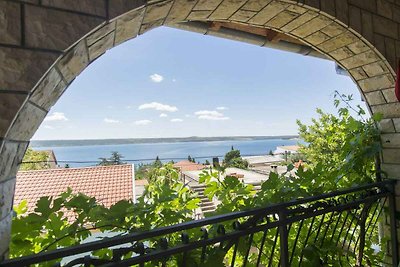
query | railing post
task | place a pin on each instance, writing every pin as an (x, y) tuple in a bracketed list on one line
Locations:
[(393, 226), (283, 238)]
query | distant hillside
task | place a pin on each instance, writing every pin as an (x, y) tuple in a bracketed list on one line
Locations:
[(95, 142)]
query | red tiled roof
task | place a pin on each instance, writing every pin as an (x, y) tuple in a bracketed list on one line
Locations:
[(108, 184), (186, 165)]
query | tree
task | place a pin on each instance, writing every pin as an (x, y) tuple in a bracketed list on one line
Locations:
[(35, 160), (157, 163), (346, 146), (271, 153), (189, 158), (234, 159), (207, 162), (114, 159)]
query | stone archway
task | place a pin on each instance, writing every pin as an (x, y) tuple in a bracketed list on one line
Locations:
[(45, 44)]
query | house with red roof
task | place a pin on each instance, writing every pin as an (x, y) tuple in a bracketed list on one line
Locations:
[(108, 184)]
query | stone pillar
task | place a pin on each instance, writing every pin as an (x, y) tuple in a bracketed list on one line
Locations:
[(11, 154)]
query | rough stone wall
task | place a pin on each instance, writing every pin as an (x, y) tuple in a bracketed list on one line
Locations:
[(45, 44)]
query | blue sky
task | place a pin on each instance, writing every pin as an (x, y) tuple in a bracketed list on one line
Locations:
[(171, 83)]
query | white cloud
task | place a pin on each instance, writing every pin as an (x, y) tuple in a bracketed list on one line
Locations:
[(48, 127), (176, 120), (158, 106), (128, 107), (222, 108), (163, 115), (188, 116), (56, 116), (210, 115), (173, 80), (107, 120), (157, 78), (142, 122)]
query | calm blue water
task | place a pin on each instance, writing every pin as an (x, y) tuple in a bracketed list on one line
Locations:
[(144, 153)]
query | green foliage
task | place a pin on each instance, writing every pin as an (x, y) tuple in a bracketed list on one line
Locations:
[(35, 160), (115, 159), (340, 153), (234, 159), (166, 201), (343, 145)]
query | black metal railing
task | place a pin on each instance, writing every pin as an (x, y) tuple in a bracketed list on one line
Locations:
[(338, 227)]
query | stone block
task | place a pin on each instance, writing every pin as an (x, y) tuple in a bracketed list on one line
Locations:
[(11, 154), (53, 29), (180, 10), (358, 47), (281, 19), (9, 107), (390, 54), (226, 9), (5, 233), (367, 5), (7, 189), (243, 15), (385, 27), (268, 12), (376, 68), (391, 140), (358, 74), (317, 38), (101, 46), (49, 90), (390, 95), (303, 19), (396, 122), (393, 172), (375, 98), (328, 7), (74, 62), (360, 59), (337, 42), (127, 26), (385, 8), (100, 33), (96, 7), (152, 25), (312, 26), (256, 5), (342, 11), (120, 7), (391, 155), (157, 11), (333, 29), (386, 126), (296, 9), (27, 122), (199, 14), (377, 83), (390, 110), (341, 53), (10, 23), (207, 4), (355, 18), (21, 69), (367, 26)]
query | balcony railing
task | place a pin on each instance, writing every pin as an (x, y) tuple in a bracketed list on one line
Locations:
[(340, 227)]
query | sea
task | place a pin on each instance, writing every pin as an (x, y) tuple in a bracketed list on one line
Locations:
[(89, 155)]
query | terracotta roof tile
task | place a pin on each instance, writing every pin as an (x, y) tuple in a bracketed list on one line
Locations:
[(186, 165), (108, 184)]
